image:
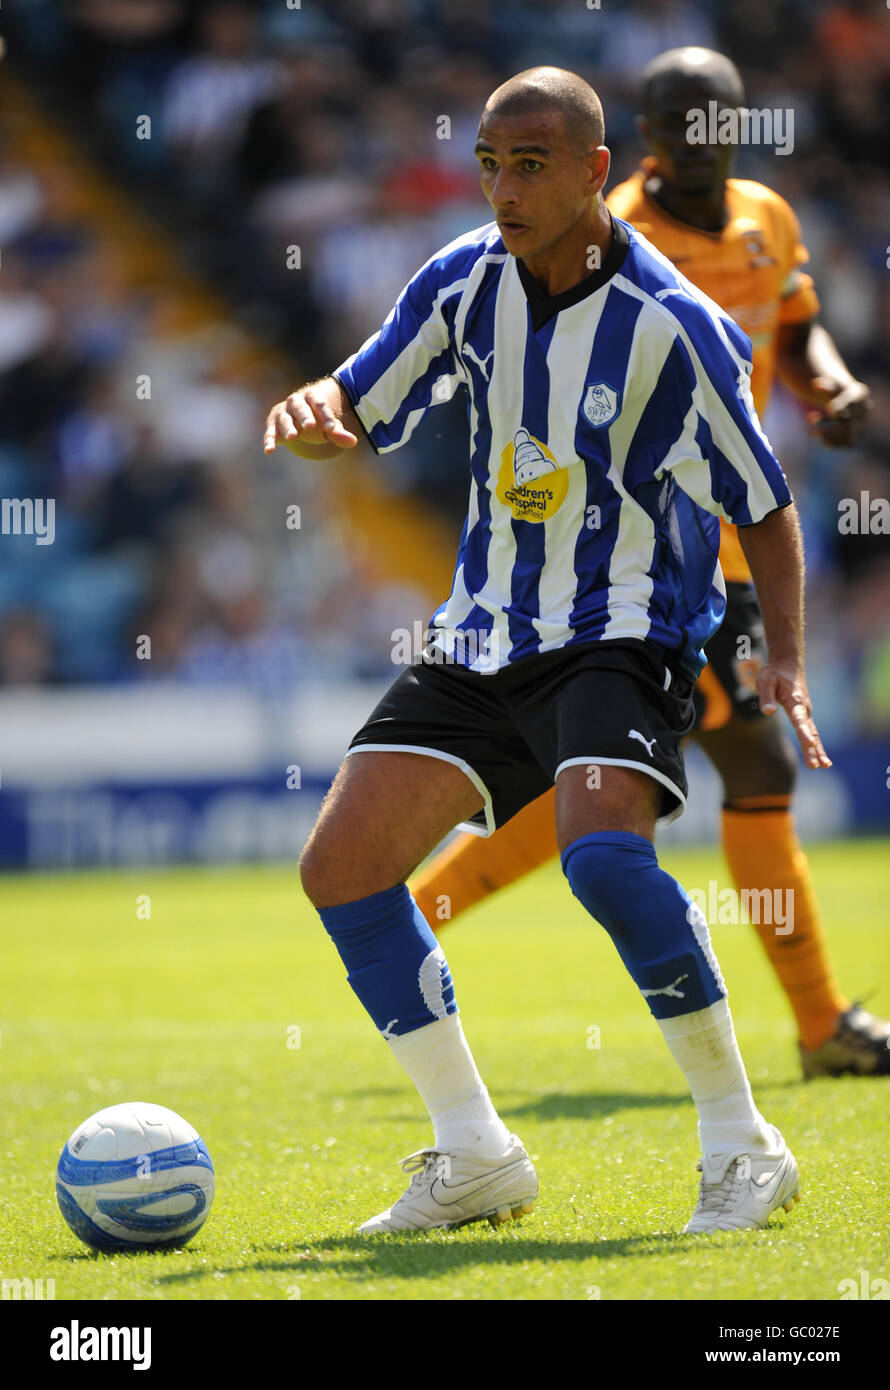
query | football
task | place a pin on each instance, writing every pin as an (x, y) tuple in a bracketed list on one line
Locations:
[(135, 1177)]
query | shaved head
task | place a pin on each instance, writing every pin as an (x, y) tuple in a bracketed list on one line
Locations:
[(548, 89), (682, 67), (542, 166)]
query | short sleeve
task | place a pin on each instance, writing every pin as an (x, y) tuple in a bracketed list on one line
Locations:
[(408, 366), (723, 460)]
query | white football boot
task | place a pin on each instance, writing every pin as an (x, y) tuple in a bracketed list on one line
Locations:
[(452, 1189), (739, 1191)]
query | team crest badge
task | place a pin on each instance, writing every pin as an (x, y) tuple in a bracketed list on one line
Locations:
[(600, 404), (757, 250)]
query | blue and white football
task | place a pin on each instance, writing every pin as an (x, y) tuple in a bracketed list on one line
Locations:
[(135, 1177)]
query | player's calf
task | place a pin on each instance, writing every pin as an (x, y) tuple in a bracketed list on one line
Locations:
[(662, 938)]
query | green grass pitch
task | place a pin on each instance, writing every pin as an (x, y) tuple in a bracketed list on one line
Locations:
[(197, 1009)]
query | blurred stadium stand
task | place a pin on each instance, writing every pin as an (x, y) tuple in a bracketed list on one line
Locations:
[(166, 259)]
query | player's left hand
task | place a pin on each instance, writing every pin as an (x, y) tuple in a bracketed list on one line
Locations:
[(787, 686), (842, 417)]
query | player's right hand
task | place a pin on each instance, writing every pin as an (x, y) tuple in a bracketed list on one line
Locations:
[(307, 415)]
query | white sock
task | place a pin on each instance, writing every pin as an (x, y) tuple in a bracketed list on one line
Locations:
[(439, 1062), (704, 1047)]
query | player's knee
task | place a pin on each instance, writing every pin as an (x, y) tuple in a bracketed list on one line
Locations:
[(308, 873), (334, 870), (768, 768), (781, 770), (315, 871)]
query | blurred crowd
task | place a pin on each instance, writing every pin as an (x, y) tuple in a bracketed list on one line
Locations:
[(304, 160)]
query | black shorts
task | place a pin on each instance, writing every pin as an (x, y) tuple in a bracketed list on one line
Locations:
[(736, 652), (598, 703)]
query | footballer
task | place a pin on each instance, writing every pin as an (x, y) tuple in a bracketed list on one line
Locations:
[(611, 426)]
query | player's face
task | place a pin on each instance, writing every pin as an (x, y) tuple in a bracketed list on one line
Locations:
[(688, 168), (537, 183)]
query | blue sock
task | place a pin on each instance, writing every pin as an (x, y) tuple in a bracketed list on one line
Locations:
[(393, 961), (659, 932)]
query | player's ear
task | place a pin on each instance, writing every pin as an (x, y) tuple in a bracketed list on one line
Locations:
[(642, 126), (598, 164)]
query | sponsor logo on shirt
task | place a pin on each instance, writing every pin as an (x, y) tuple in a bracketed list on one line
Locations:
[(530, 481)]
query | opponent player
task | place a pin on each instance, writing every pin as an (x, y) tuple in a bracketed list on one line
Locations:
[(611, 423), (740, 243)]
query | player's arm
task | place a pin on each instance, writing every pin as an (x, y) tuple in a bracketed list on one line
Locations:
[(744, 482), (811, 366), (315, 422), (774, 551)]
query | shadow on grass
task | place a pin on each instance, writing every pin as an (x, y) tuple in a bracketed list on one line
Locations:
[(407, 1255), (563, 1105), (88, 1255)]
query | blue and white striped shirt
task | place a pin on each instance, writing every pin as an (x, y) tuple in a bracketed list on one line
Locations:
[(609, 427)]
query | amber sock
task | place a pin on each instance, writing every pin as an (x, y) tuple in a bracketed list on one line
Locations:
[(472, 866), (763, 852)]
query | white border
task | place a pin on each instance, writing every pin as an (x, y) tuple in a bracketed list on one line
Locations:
[(474, 777), (641, 767)]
